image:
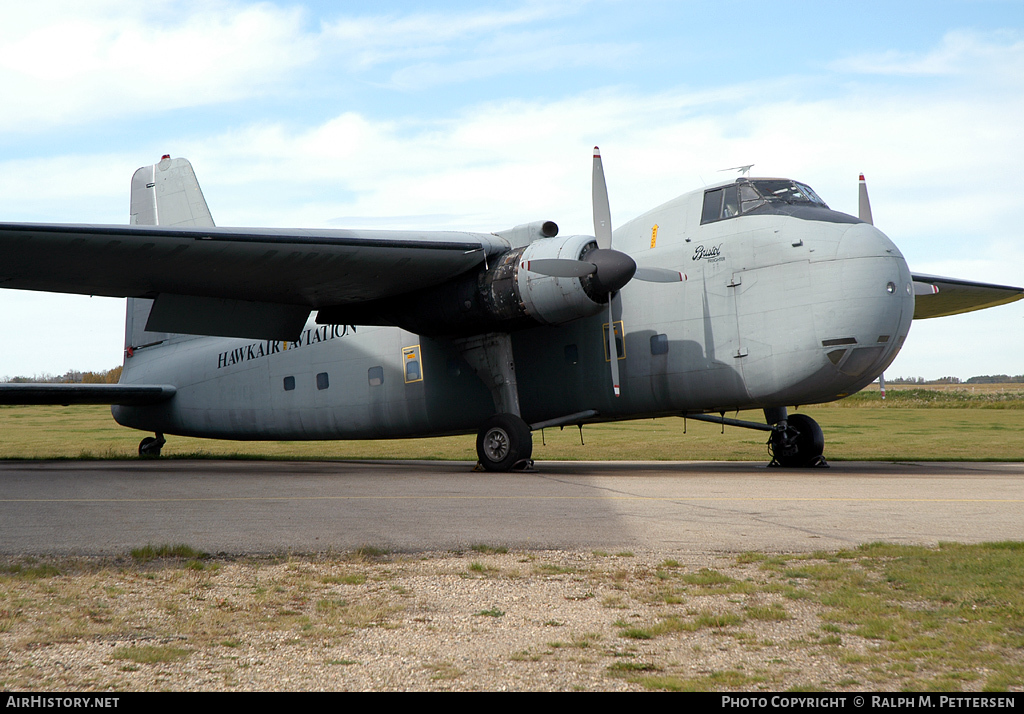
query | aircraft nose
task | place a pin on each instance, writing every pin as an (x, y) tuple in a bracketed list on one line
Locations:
[(863, 240), (872, 305)]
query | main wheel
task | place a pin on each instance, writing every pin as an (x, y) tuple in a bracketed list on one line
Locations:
[(150, 446), (802, 445), (503, 441)]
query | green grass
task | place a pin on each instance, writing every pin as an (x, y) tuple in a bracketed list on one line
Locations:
[(152, 552), (931, 612), (984, 425)]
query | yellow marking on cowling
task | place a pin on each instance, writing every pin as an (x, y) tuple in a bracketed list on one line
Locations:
[(654, 235)]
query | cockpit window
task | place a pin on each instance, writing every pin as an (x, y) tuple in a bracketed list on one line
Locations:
[(788, 191), (746, 195)]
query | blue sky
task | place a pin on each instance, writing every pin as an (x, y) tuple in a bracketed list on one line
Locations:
[(480, 116)]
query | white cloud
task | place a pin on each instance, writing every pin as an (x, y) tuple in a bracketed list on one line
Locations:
[(79, 63), (370, 41), (961, 53)]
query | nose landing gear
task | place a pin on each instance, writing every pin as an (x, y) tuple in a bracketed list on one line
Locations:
[(799, 445)]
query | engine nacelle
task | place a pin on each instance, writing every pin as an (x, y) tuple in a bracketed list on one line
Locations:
[(551, 300), (503, 297)]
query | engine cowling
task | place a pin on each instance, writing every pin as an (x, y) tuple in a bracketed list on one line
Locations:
[(554, 300), (504, 296)]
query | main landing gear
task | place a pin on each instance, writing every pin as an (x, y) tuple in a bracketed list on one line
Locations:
[(504, 443), (149, 448)]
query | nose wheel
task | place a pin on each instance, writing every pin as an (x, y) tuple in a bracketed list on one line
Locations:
[(800, 446), (504, 443)]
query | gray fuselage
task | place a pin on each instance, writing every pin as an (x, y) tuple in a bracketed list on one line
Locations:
[(776, 310)]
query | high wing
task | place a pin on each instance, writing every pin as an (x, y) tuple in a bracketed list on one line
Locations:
[(936, 296), (232, 282), (266, 279)]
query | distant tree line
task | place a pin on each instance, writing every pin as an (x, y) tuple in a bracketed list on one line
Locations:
[(110, 376), (983, 379)]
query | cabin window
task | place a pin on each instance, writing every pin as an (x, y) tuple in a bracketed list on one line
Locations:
[(376, 376), (572, 354), (412, 365), (321, 381), (289, 384), (659, 344)]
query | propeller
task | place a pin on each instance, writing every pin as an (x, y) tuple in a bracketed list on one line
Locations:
[(864, 205), (603, 233), (611, 269)]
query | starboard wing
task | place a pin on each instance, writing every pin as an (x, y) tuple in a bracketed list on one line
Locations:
[(936, 296)]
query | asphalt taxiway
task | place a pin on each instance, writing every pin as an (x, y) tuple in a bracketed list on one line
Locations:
[(238, 507)]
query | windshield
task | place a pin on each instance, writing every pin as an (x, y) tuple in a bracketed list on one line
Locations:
[(788, 191), (757, 195)]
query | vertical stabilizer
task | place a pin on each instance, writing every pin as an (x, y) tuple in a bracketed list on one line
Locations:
[(164, 194), (168, 194)]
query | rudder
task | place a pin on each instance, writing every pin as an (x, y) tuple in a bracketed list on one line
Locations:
[(164, 194)]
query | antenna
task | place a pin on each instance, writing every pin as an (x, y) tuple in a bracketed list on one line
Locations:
[(744, 170)]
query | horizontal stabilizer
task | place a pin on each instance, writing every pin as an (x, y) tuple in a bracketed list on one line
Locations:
[(64, 394), (937, 297)]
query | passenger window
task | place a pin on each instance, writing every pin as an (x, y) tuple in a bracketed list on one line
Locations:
[(454, 367), (376, 376), (289, 384), (572, 354), (321, 381), (659, 345)]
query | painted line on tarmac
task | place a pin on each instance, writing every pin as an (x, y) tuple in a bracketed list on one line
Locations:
[(683, 499)]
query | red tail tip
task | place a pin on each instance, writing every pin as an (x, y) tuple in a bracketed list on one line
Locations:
[(862, 177)]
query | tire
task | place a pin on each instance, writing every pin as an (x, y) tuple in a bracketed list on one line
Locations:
[(503, 441), (806, 449), (149, 448)]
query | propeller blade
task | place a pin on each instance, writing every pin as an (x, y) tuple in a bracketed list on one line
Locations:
[(602, 211), (613, 351), (864, 207), (560, 267), (658, 275)]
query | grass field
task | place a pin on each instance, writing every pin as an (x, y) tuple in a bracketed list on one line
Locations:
[(916, 423), (878, 617)]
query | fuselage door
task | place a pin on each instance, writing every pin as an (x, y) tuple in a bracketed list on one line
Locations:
[(412, 364)]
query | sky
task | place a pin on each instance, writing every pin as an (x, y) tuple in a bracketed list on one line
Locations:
[(480, 116)]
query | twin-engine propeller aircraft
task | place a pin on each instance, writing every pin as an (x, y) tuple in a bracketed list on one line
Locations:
[(750, 294)]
